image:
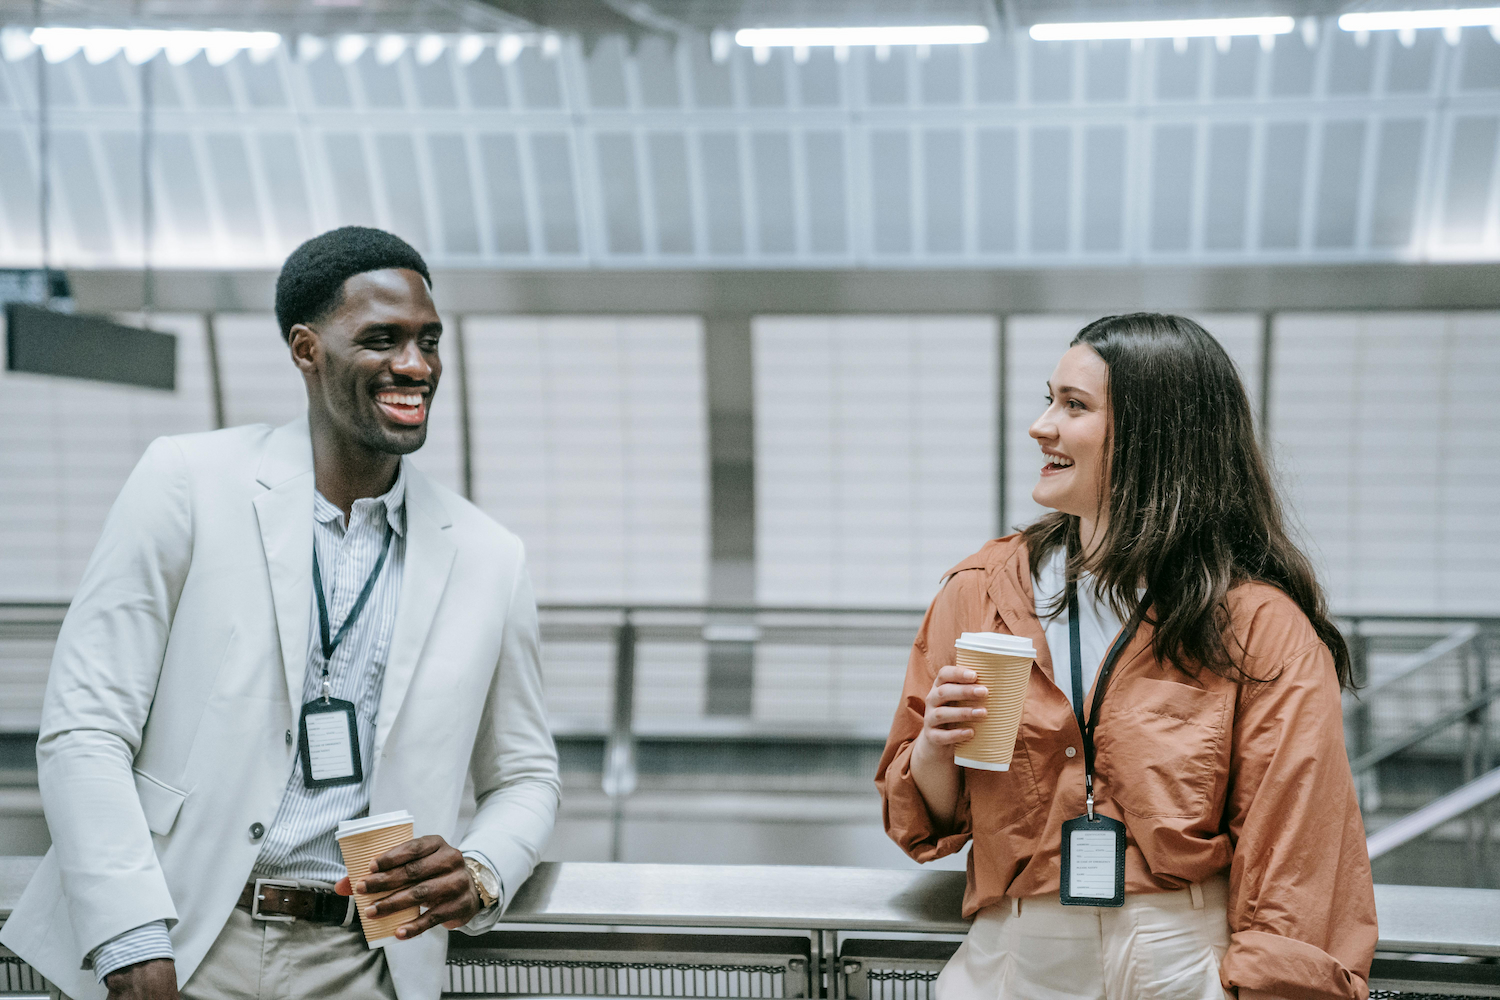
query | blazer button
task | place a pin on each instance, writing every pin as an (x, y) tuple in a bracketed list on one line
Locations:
[(1071, 752), (257, 831), (288, 737)]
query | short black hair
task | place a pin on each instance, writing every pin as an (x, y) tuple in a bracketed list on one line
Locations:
[(311, 284)]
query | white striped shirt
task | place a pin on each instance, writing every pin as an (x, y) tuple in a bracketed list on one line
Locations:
[(300, 840)]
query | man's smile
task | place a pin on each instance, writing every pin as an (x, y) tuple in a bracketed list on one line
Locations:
[(405, 406)]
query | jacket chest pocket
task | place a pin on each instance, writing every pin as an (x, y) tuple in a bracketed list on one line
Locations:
[(1163, 748)]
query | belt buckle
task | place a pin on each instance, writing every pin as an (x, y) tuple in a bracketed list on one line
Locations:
[(279, 883)]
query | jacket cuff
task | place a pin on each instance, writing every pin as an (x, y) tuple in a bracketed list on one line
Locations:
[(140, 944), (103, 908), (909, 821), (1263, 964)]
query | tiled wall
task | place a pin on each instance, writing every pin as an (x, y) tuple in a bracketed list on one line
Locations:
[(1387, 435)]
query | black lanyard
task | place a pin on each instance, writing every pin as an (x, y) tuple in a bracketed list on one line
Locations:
[(1105, 670), (330, 645)]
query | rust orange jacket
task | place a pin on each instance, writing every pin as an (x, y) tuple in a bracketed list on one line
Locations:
[(1207, 775)]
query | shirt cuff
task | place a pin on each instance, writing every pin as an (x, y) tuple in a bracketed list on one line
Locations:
[(490, 915), (140, 944)]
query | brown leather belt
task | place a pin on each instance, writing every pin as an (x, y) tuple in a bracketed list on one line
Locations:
[(283, 899)]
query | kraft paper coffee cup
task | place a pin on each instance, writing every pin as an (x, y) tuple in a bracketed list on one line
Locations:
[(1002, 664), (362, 841)]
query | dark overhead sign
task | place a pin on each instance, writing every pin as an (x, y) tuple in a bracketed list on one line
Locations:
[(53, 343)]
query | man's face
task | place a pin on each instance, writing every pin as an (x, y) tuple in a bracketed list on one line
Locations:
[(372, 364)]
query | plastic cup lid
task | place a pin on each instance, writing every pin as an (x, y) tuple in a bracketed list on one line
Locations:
[(365, 824), (996, 642)]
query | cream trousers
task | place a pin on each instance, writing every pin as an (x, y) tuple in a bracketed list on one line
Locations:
[(1158, 946), (275, 960)]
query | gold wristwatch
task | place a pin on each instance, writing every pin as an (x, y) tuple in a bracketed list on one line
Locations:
[(485, 882)]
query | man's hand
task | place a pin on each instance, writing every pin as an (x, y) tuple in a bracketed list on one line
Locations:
[(425, 872), (154, 979)]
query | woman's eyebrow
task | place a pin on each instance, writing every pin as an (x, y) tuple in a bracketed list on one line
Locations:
[(1072, 391)]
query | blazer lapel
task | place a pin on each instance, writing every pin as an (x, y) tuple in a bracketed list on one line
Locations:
[(429, 559), (284, 513)]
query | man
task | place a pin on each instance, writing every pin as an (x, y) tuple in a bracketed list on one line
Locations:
[(252, 585)]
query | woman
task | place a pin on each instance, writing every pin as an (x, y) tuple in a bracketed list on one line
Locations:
[(1219, 740)]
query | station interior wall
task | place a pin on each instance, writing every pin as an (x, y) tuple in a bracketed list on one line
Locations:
[(876, 448)]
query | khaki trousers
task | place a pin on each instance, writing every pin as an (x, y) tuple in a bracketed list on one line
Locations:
[(277, 960), (1158, 946)]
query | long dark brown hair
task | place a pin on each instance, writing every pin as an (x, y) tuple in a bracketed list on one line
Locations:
[(1192, 508)]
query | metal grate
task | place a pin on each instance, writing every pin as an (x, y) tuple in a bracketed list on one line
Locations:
[(646, 979), (900, 984), (18, 977), (592, 963)]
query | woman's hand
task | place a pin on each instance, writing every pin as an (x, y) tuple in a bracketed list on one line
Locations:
[(954, 703)]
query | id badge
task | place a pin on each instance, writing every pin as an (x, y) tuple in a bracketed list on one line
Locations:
[(1093, 862), (330, 744)]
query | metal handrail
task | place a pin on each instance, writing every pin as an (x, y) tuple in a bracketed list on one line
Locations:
[(1435, 920), (1434, 814), (1450, 643), (1483, 621), (1366, 761)]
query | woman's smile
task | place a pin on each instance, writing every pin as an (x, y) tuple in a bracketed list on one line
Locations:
[(1055, 464)]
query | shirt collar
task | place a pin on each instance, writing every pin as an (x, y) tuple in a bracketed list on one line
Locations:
[(392, 500)]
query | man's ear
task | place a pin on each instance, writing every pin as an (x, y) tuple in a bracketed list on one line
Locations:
[(303, 341)]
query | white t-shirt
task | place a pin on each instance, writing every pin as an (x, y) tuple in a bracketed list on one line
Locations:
[(1097, 623)]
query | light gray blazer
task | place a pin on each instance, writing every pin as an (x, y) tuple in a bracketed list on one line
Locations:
[(178, 672)]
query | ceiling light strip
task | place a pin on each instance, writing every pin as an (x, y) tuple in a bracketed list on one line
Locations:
[(931, 34), (1216, 27), (142, 44), (1406, 20)]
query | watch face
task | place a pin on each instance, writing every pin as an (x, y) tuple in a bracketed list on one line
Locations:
[(489, 885)]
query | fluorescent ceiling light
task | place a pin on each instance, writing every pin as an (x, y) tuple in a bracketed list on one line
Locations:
[(1213, 27), (142, 44), (509, 49), (930, 34), (349, 48), (430, 49), (16, 44), (310, 47), (470, 47), (389, 49), (1407, 20)]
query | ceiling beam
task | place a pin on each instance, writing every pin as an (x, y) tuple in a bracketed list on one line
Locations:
[(747, 292)]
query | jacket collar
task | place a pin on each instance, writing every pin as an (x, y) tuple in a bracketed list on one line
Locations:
[(1007, 574)]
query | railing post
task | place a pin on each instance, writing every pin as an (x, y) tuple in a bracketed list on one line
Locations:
[(1480, 648), (827, 976), (1477, 756), (1367, 785), (619, 752)]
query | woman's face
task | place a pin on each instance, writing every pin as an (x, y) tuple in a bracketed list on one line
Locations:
[(1074, 435)]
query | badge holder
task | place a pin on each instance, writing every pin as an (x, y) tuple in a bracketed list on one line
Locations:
[(330, 742), (1093, 860)]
